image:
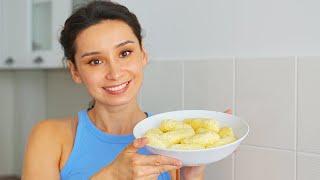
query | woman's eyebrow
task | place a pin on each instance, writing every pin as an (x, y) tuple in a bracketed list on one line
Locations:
[(124, 43), (116, 46), (89, 54)]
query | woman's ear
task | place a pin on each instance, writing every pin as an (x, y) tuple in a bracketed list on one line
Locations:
[(74, 72), (145, 58)]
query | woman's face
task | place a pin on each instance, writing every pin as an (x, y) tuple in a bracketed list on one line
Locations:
[(109, 61)]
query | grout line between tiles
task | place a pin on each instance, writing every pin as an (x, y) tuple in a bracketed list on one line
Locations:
[(15, 123), (182, 93), (296, 116), (234, 110), (234, 84), (308, 154), (268, 148)]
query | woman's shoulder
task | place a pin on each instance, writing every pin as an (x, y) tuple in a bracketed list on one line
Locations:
[(53, 127), (52, 132), (45, 145), (57, 130)]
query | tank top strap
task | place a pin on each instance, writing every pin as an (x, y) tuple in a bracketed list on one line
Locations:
[(76, 145)]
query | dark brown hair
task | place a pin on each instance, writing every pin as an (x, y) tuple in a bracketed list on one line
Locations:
[(91, 14)]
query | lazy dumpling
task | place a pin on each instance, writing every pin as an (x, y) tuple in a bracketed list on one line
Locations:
[(170, 125), (174, 137), (204, 123), (191, 133), (204, 139), (186, 146), (222, 141)]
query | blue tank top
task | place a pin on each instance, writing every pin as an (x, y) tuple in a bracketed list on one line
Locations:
[(94, 149)]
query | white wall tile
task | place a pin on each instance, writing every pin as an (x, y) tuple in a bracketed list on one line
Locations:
[(208, 84), (30, 108), (221, 170), (264, 164), (265, 98), (185, 29), (162, 87), (308, 104), (308, 166), (65, 98), (307, 29), (276, 27), (7, 122)]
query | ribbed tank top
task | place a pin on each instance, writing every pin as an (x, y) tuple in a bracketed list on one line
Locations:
[(94, 149)]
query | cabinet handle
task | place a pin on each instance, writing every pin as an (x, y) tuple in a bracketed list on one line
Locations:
[(9, 61), (38, 60)]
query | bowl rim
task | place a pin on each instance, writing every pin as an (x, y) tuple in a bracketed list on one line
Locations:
[(197, 150)]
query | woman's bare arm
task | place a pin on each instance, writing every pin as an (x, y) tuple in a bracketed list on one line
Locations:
[(43, 152)]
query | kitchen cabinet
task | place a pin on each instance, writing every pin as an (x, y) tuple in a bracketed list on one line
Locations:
[(1, 30), (30, 33)]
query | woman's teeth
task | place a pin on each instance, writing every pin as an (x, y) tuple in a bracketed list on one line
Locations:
[(117, 88)]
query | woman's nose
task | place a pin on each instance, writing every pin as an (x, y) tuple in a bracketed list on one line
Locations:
[(114, 72)]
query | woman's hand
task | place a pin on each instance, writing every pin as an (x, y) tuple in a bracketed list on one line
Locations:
[(131, 165), (195, 172), (192, 172)]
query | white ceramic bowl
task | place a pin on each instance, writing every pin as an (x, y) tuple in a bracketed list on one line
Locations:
[(201, 156)]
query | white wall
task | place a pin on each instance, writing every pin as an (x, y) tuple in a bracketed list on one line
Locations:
[(277, 96), (259, 57), (185, 29), (7, 121)]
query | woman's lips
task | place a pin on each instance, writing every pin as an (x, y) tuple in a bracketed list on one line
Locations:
[(117, 89)]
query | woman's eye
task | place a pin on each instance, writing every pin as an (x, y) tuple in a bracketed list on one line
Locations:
[(95, 62), (124, 54)]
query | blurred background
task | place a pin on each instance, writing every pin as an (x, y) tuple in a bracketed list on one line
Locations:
[(259, 57)]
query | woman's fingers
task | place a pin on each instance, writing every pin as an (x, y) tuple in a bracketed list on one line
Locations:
[(228, 111), (155, 160), (148, 177), (136, 145), (153, 170)]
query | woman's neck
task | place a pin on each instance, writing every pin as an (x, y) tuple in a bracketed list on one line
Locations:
[(116, 120)]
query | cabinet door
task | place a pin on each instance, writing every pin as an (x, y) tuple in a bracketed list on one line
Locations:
[(47, 20), (30, 31), (2, 51), (14, 27)]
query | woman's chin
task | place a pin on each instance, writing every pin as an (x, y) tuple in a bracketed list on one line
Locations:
[(119, 102)]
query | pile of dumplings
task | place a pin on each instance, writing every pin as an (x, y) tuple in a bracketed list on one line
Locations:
[(189, 134)]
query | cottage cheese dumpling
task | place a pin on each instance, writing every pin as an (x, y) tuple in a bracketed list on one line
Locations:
[(191, 133), (186, 146), (194, 122), (204, 123), (202, 130), (157, 141), (174, 137), (205, 139), (153, 131), (170, 125), (225, 131), (222, 141), (211, 124)]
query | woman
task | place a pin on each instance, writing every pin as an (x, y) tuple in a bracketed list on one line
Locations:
[(103, 46)]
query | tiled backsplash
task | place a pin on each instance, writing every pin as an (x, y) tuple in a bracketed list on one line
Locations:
[(277, 96), (265, 90)]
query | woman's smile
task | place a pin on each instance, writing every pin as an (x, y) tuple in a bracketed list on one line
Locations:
[(117, 89)]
